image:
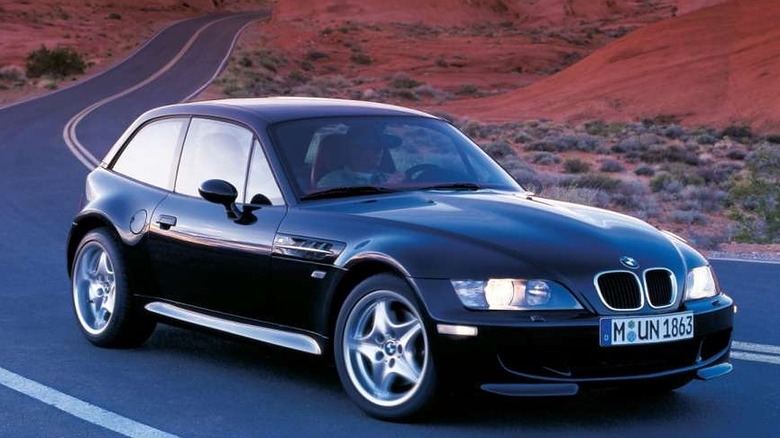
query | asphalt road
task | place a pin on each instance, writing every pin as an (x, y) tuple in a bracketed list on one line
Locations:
[(53, 383)]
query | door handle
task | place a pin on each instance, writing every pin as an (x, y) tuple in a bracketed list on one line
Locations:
[(165, 221)]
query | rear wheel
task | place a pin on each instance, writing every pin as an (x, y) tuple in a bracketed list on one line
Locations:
[(102, 299), (382, 351)]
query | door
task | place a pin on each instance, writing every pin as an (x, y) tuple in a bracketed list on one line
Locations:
[(202, 257)]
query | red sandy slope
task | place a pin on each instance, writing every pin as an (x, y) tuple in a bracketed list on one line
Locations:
[(717, 65)]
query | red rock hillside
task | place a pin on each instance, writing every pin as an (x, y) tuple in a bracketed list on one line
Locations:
[(715, 66)]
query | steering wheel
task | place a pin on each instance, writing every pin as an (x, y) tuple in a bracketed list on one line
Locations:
[(415, 172)]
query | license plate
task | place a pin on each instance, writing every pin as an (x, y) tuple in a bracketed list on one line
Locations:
[(646, 329)]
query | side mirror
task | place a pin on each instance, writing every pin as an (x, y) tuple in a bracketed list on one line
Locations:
[(221, 192)]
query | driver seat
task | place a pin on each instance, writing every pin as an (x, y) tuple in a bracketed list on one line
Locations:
[(331, 155)]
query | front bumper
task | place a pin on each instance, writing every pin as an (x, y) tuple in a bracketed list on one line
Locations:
[(557, 353)]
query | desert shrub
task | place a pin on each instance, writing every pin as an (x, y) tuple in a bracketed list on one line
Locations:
[(689, 217), (545, 158), (666, 182), (595, 181), (521, 171), (741, 133), (596, 127), (773, 138), (611, 166), (541, 146), (706, 139), (405, 93), (736, 154), (498, 149), (11, 73), (756, 198), (114, 16), (564, 143), (468, 90), (719, 173), (431, 92), (402, 80), (315, 55), (633, 196), (361, 58), (644, 170), (58, 62), (627, 144), (577, 195), (522, 137), (670, 153), (649, 139), (674, 131), (575, 165), (701, 198)]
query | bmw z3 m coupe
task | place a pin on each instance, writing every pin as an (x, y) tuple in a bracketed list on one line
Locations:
[(384, 239)]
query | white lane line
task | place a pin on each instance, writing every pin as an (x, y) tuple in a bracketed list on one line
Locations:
[(69, 131), (732, 259), (79, 408), (754, 357), (756, 348)]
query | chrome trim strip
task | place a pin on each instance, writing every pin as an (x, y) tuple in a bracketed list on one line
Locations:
[(672, 278), (604, 301), (302, 248), (295, 341)]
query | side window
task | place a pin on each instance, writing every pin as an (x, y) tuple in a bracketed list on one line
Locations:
[(150, 154), (261, 179), (214, 150)]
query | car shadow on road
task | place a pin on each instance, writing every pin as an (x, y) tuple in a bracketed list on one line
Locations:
[(262, 366)]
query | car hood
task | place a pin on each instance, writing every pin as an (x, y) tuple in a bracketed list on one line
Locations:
[(556, 238)]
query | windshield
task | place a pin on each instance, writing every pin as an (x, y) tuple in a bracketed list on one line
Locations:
[(343, 156)]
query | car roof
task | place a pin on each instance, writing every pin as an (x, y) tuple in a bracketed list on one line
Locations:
[(279, 109)]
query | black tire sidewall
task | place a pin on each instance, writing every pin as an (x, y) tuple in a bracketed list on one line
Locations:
[(127, 326), (422, 400)]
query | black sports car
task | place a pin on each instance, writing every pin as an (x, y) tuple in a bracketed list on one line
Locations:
[(386, 239)]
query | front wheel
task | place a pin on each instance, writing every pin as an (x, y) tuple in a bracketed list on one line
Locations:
[(102, 298), (382, 351)]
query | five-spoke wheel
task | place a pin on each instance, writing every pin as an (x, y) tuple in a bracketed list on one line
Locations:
[(101, 296), (94, 288), (382, 349)]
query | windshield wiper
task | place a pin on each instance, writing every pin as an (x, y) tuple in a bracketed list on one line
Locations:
[(453, 186), (339, 192)]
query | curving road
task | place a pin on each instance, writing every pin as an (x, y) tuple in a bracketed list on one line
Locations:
[(53, 383)]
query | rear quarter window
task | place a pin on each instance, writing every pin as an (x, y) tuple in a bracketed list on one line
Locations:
[(150, 155)]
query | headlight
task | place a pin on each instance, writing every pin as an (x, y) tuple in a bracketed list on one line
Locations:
[(700, 283), (514, 294)]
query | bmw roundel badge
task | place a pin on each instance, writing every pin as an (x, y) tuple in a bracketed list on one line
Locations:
[(629, 262)]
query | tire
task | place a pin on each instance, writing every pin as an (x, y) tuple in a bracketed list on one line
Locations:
[(102, 298), (383, 351)]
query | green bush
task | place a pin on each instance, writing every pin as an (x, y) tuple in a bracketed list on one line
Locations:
[(59, 62), (755, 199), (575, 165)]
